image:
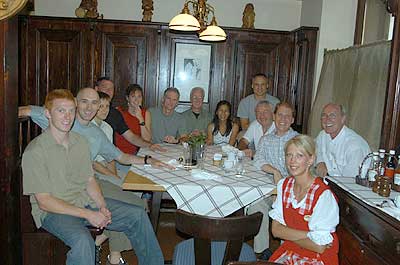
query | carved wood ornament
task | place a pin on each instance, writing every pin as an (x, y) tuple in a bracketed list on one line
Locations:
[(10, 7), (88, 9), (147, 6), (248, 16)]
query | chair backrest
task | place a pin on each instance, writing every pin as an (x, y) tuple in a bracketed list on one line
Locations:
[(252, 263), (204, 229)]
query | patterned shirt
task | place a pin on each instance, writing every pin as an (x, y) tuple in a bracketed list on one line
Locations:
[(271, 151)]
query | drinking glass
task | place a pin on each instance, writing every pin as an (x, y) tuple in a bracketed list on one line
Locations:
[(187, 155)]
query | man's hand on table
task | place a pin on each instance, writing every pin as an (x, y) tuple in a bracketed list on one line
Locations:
[(157, 147), (157, 163), (321, 169), (170, 139)]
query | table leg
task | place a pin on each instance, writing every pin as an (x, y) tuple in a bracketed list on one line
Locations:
[(155, 209)]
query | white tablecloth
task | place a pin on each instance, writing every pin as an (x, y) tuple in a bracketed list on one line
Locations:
[(365, 194), (218, 197)]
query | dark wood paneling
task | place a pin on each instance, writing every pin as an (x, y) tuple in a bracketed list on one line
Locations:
[(366, 234), (301, 85), (390, 133), (10, 249), (250, 52), (59, 57), (129, 55), (54, 54)]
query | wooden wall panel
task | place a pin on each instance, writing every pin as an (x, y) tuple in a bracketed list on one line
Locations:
[(10, 249), (59, 60), (124, 57), (252, 59), (54, 54)]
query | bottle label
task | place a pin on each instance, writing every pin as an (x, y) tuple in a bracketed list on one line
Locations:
[(389, 172), (396, 179), (371, 175)]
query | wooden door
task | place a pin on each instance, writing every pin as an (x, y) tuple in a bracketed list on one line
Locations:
[(53, 55), (253, 53), (128, 55)]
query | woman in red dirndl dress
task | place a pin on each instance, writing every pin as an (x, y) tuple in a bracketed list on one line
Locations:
[(305, 213)]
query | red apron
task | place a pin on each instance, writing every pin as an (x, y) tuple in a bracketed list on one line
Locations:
[(291, 253)]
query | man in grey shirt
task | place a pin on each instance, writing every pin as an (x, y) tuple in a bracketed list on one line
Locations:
[(196, 118), (167, 125), (248, 104)]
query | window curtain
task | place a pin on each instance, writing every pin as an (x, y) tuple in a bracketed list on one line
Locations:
[(356, 78)]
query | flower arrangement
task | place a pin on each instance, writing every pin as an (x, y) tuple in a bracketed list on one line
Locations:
[(197, 138)]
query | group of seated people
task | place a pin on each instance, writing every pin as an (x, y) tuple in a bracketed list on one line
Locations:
[(87, 137)]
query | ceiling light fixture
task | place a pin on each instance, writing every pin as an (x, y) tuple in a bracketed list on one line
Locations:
[(198, 21)]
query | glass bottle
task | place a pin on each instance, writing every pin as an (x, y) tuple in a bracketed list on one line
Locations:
[(396, 178), (373, 169), (385, 187), (390, 165), (381, 167)]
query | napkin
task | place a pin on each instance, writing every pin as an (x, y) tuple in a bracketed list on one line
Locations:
[(175, 163), (200, 174)]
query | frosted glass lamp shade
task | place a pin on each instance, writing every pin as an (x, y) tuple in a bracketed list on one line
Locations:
[(213, 33), (184, 22)]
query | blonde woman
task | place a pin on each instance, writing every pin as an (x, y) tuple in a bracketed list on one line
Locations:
[(305, 213)]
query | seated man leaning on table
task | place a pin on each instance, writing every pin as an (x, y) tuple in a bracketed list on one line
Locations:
[(196, 118), (340, 150), (65, 196), (87, 107), (270, 157), (167, 125), (263, 125)]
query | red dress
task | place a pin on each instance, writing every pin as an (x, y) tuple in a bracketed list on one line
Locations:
[(291, 253), (133, 124)]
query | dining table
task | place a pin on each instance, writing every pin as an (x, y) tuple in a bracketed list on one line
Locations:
[(211, 191)]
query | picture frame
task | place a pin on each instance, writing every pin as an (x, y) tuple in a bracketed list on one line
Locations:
[(192, 67)]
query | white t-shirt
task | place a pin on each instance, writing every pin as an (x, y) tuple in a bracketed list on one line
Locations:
[(255, 132), (343, 154)]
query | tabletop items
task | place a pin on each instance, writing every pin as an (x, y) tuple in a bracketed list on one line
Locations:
[(383, 173), (213, 190)]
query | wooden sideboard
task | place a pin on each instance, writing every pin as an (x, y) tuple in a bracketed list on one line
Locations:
[(367, 235)]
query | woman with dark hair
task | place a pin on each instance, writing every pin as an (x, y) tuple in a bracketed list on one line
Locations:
[(222, 130), (136, 117)]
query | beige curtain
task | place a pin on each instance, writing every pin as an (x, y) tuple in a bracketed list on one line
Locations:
[(355, 77)]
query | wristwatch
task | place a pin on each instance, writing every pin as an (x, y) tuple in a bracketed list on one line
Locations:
[(146, 157), (142, 123)]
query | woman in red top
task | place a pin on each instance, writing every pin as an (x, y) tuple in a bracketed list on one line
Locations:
[(305, 213), (136, 117)]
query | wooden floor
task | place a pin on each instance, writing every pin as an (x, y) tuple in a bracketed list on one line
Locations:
[(167, 237)]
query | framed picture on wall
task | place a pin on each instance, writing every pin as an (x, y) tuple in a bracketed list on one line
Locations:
[(192, 68)]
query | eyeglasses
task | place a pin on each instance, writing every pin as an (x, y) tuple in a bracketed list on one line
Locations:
[(331, 116), (197, 98)]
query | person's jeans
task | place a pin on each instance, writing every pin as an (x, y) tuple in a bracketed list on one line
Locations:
[(130, 219)]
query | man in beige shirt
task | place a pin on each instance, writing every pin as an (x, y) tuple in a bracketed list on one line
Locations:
[(65, 196)]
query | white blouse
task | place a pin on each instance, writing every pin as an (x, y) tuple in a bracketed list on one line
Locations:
[(323, 221)]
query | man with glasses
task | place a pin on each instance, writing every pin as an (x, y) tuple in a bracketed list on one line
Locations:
[(340, 150), (196, 118)]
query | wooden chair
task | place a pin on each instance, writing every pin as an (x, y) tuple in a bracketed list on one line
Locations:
[(252, 263), (208, 232)]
